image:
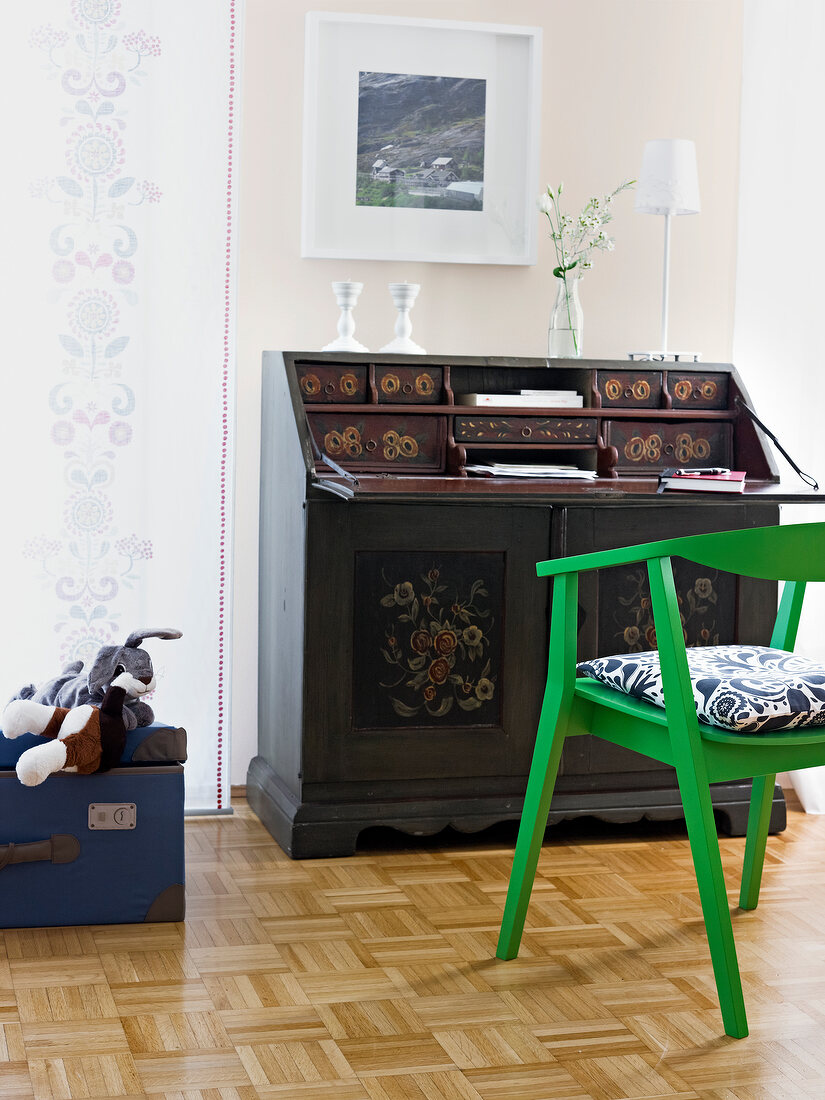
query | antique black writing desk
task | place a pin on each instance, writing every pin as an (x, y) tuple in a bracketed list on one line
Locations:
[(403, 632)]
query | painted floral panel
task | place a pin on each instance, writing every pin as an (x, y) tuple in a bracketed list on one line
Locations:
[(706, 607), (427, 648)]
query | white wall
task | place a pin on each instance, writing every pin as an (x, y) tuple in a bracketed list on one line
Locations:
[(778, 317), (615, 73), (778, 329)]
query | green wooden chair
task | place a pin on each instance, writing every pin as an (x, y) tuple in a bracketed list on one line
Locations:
[(701, 753)]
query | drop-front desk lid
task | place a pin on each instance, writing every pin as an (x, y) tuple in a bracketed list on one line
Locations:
[(407, 427), (396, 488)]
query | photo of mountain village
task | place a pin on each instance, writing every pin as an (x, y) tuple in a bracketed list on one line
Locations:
[(420, 141)]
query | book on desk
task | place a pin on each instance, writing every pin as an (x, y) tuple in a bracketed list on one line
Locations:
[(709, 480), (525, 399)]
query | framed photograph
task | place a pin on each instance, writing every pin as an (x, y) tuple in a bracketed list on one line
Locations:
[(421, 140)]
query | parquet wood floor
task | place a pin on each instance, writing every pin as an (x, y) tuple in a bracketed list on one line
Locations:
[(373, 978)]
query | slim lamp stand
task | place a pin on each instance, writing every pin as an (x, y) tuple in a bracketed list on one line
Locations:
[(668, 184), (665, 279)]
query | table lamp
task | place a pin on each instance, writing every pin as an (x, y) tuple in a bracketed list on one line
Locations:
[(668, 184)]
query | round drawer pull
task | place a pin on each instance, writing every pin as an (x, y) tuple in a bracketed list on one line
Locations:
[(526, 432), (668, 448), (370, 445), (628, 392), (329, 387), (407, 387), (696, 395)]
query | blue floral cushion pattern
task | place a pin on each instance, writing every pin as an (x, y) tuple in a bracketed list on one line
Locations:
[(747, 689)]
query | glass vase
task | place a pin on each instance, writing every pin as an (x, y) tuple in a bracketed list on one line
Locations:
[(564, 336)]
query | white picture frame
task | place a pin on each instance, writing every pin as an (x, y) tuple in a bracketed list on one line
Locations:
[(339, 49)]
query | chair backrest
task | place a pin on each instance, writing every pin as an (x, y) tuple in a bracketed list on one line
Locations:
[(792, 553)]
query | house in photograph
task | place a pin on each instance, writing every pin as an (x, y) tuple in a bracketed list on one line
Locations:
[(437, 175), (468, 191), (389, 174), (443, 176), (442, 172)]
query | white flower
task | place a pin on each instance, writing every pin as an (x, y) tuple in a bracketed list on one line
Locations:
[(575, 238)]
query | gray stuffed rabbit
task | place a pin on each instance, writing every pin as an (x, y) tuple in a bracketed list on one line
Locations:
[(73, 688)]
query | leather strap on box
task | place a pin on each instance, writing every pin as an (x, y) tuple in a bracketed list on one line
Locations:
[(58, 848)]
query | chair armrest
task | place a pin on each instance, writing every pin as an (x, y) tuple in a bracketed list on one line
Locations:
[(599, 559), (792, 553)]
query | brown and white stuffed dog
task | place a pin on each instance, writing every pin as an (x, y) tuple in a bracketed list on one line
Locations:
[(85, 739)]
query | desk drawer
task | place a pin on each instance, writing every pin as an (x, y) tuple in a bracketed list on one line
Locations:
[(629, 389), (381, 442), (647, 446), (409, 385), (331, 383), (698, 391), (524, 429)]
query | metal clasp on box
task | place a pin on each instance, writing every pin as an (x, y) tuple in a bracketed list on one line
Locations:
[(112, 815)]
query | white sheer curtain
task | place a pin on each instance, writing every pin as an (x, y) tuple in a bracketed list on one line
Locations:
[(118, 373), (778, 334)]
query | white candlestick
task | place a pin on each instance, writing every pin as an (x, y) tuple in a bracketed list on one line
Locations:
[(403, 296), (346, 295)]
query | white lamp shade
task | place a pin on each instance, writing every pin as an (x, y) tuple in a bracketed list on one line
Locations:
[(668, 182)]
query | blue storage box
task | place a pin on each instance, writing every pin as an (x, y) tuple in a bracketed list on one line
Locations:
[(95, 849)]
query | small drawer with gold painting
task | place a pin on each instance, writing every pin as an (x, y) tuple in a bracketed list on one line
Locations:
[(409, 385), (380, 442), (331, 383), (524, 429), (630, 389), (698, 391), (648, 446)]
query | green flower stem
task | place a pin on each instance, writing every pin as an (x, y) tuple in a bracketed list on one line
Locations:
[(570, 324), (557, 240)]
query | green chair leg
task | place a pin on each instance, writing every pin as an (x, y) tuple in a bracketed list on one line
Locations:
[(759, 817), (540, 786), (704, 846), (552, 729)]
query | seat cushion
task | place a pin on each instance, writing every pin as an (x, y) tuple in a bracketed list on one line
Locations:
[(747, 689)]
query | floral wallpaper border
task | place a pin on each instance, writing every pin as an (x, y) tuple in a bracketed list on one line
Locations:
[(95, 248), (94, 57)]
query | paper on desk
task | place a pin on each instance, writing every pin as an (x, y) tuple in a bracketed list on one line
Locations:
[(528, 469)]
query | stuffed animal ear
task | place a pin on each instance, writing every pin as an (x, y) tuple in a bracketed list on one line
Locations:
[(103, 668), (137, 636)]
